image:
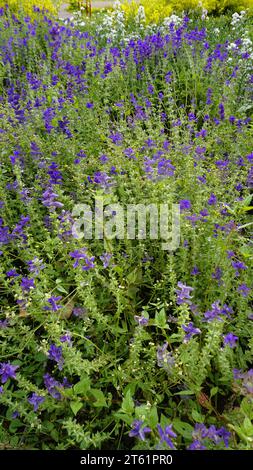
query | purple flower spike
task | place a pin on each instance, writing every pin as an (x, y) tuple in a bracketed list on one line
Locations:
[(7, 371), (190, 330), (183, 294), (55, 354), (230, 340), (36, 401)]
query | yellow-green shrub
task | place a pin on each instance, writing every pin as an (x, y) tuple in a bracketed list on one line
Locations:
[(154, 11), (218, 6), (27, 5)]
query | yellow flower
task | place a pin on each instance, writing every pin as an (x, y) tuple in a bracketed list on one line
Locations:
[(27, 5)]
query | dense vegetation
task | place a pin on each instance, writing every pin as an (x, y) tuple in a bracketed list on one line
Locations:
[(116, 342)]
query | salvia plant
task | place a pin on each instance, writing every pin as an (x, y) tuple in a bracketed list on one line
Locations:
[(115, 342)]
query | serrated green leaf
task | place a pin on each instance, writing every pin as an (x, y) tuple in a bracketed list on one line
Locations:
[(161, 319), (127, 403)]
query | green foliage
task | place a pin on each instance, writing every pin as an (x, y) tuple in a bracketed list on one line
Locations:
[(113, 347)]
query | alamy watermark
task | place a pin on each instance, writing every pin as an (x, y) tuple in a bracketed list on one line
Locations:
[(132, 221)]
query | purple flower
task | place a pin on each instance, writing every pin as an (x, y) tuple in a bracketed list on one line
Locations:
[(12, 273), (185, 204), (247, 381), (202, 179), (66, 339), (27, 284), (55, 175), (238, 374), (217, 274), (217, 435), (105, 258), (190, 330), (238, 266), (193, 219), (82, 255), (18, 231), (36, 401), (208, 96), (79, 311), (35, 265), (201, 432), (52, 386), (221, 111), (4, 324), (55, 354), (217, 312), (116, 138), (7, 371), (166, 435), (49, 199), (165, 358), (230, 254), (138, 430), (244, 290), (168, 77), (230, 339), (195, 271), (183, 294), (1, 390), (196, 445), (142, 321), (53, 303), (212, 200), (104, 158), (150, 89)]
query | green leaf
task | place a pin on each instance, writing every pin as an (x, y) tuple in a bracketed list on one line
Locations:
[(40, 357), (61, 289), (124, 417), (161, 319), (184, 393), (100, 398), (198, 418), (247, 208), (247, 408), (247, 200), (153, 417), (142, 412), (75, 406), (82, 387), (240, 433), (246, 251), (247, 426), (14, 425), (127, 403), (214, 391), (185, 429)]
